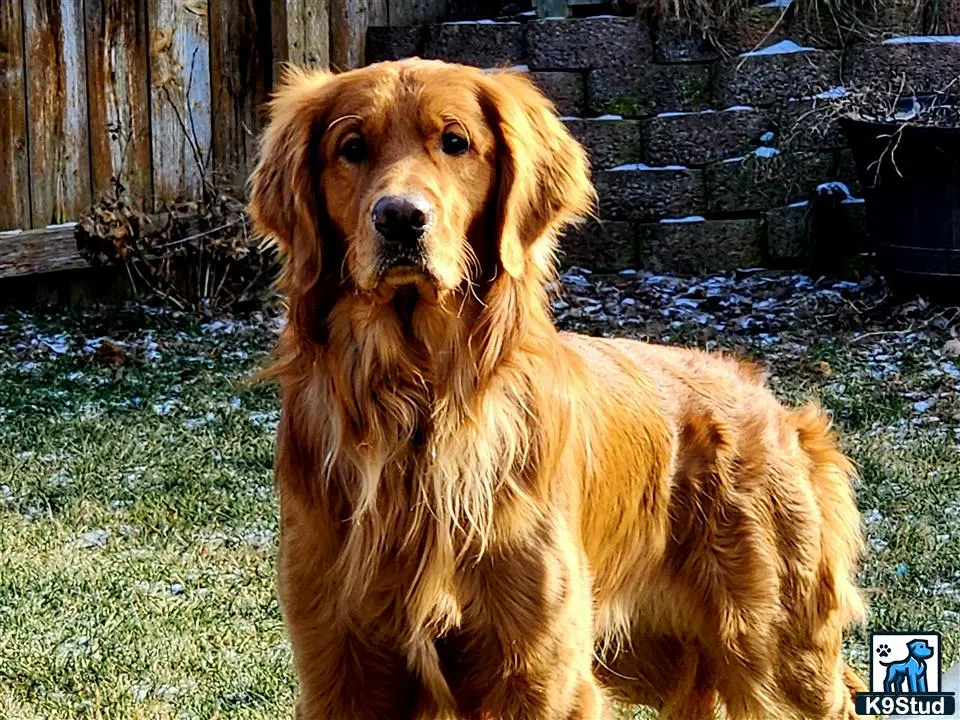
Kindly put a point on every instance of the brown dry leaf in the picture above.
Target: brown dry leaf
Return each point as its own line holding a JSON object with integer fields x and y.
{"x": 110, "y": 353}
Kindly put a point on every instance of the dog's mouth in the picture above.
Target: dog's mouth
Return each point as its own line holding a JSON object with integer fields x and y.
{"x": 405, "y": 275}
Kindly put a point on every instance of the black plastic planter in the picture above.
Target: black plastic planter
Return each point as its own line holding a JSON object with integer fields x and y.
{"x": 911, "y": 181}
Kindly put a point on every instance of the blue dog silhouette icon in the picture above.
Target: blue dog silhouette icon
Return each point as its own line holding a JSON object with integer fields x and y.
{"x": 912, "y": 669}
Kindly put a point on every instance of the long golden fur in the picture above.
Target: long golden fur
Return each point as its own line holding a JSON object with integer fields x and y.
{"x": 483, "y": 517}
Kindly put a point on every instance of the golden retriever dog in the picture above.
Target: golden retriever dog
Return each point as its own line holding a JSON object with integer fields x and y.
{"x": 483, "y": 517}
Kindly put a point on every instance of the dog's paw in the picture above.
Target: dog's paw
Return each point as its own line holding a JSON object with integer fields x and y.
{"x": 883, "y": 650}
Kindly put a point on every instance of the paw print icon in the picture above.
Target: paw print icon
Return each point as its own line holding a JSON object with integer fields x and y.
{"x": 883, "y": 650}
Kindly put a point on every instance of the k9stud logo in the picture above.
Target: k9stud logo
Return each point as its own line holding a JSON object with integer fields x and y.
{"x": 905, "y": 674}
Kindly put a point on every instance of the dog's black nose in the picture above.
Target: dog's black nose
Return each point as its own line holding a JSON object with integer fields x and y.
{"x": 402, "y": 219}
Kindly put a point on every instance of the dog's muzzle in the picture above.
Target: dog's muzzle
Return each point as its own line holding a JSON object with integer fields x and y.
{"x": 401, "y": 222}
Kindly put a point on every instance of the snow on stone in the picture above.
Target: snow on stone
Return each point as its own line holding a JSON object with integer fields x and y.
{"x": 834, "y": 186}
{"x": 690, "y": 219}
{"x": 834, "y": 93}
{"x": 784, "y": 47}
{"x": 767, "y": 137}
{"x": 923, "y": 40}
{"x": 709, "y": 111}
{"x": 642, "y": 166}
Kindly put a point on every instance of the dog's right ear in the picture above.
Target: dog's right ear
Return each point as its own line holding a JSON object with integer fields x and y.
{"x": 284, "y": 205}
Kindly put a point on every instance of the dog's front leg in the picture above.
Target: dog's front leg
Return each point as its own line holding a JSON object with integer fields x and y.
{"x": 346, "y": 671}
{"x": 345, "y": 676}
{"x": 527, "y": 633}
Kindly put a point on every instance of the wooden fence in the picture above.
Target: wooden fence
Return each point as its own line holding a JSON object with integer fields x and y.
{"x": 157, "y": 93}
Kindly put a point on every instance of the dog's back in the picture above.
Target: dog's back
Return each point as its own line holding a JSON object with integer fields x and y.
{"x": 761, "y": 538}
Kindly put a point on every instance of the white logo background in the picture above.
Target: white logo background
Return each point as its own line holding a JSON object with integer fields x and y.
{"x": 898, "y": 651}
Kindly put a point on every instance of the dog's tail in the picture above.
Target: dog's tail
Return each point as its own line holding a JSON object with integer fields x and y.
{"x": 841, "y": 537}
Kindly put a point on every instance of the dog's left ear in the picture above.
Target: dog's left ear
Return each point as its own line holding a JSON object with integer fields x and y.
{"x": 543, "y": 172}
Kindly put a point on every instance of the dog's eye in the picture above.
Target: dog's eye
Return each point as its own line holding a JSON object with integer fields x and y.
{"x": 454, "y": 144}
{"x": 354, "y": 150}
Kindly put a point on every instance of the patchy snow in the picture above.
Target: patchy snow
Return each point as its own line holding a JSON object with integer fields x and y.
{"x": 629, "y": 167}
{"x": 683, "y": 113}
{"x": 689, "y": 219}
{"x": 923, "y": 40}
{"x": 766, "y": 152}
{"x": 61, "y": 225}
{"x": 784, "y": 47}
{"x": 800, "y": 204}
{"x": 609, "y": 117}
{"x": 767, "y": 136}
{"x": 834, "y": 186}
{"x": 8, "y": 233}
{"x": 781, "y": 4}
{"x": 834, "y": 93}
{"x": 94, "y": 539}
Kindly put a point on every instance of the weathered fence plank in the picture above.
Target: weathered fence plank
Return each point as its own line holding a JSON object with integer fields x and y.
{"x": 56, "y": 110}
{"x": 349, "y": 20}
{"x": 116, "y": 39}
{"x": 240, "y": 79}
{"x": 413, "y": 12}
{"x": 307, "y": 28}
{"x": 39, "y": 251}
{"x": 14, "y": 160}
{"x": 179, "y": 96}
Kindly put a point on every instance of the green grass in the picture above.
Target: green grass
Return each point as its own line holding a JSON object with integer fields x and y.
{"x": 137, "y": 516}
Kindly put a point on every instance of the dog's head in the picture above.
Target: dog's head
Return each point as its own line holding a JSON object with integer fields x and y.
{"x": 920, "y": 649}
{"x": 414, "y": 174}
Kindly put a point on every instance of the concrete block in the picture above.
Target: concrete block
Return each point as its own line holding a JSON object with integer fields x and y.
{"x": 695, "y": 248}
{"x": 638, "y": 192}
{"x": 926, "y": 66}
{"x": 610, "y": 140}
{"x": 567, "y": 90}
{"x": 649, "y": 89}
{"x": 763, "y": 79}
{"x": 759, "y": 183}
{"x": 607, "y": 245}
{"x": 484, "y": 45}
{"x": 809, "y": 125}
{"x": 675, "y": 41}
{"x": 697, "y": 139}
{"x": 585, "y": 43}
{"x": 394, "y": 43}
